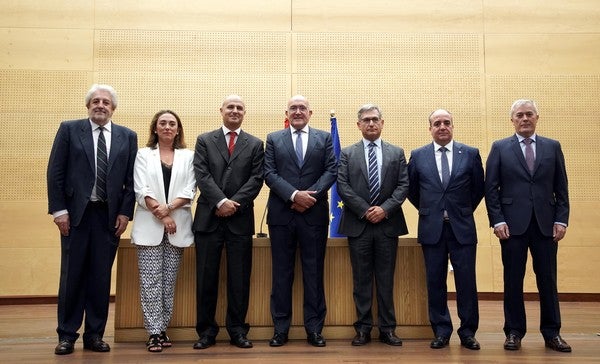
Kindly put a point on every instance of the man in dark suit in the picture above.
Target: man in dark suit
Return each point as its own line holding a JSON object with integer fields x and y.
{"x": 300, "y": 167}
{"x": 373, "y": 183}
{"x": 90, "y": 196}
{"x": 229, "y": 172}
{"x": 528, "y": 206}
{"x": 446, "y": 185}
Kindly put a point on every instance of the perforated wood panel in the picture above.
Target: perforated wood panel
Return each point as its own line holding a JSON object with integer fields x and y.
{"x": 569, "y": 109}
{"x": 33, "y": 104}
{"x": 407, "y": 75}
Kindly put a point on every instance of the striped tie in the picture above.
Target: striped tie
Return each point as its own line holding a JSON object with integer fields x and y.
{"x": 373, "y": 174}
{"x": 101, "y": 166}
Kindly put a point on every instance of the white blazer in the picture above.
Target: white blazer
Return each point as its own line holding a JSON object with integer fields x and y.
{"x": 148, "y": 181}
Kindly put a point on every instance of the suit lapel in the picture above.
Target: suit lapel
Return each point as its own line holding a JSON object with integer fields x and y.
{"x": 385, "y": 160}
{"x": 362, "y": 162}
{"x": 155, "y": 164}
{"x": 116, "y": 144}
{"x": 289, "y": 145}
{"x": 240, "y": 145}
{"x": 218, "y": 139}
{"x": 433, "y": 169}
{"x": 457, "y": 160}
{"x": 87, "y": 142}
{"x": 516, "y": 148}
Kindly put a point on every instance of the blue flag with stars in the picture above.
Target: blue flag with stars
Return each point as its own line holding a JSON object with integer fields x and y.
{"x": 336, "y": 204}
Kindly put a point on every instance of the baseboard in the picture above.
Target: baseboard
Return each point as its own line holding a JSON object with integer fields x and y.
{"x": 33, "y": 300}
{"x": 483, "y": 296}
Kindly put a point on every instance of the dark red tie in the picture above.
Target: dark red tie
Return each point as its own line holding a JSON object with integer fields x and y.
{"x": 232, "y": 135}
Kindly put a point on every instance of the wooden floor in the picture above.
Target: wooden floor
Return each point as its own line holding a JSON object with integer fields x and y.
{"x": 27, "y": 336}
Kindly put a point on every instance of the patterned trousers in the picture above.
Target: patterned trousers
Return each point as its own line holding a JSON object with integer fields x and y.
{"x": 158, "y": 266}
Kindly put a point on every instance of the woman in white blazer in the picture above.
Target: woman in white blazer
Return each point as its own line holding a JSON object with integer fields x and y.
{"x": 164, "y": 186}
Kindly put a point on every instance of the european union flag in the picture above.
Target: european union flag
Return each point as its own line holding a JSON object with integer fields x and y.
{"x": 335, "y": 209}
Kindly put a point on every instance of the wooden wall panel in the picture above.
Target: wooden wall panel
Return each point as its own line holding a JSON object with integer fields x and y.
{"x": 47, "y": 14}
{"x": 237, "y": 15}
{"x": 541, "y": 16}
{"x": 434, "y": 16}
{"x": 46, "y": 49}
{"x": 573, "y": 54}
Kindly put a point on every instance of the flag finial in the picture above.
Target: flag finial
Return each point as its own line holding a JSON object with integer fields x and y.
{"x": 332, "y": 113}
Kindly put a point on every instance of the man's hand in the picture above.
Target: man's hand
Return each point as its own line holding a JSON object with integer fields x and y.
{"x": 121, "y": 224}
{"x": 64, "y": 224}
{"x": 375, "y": 214}
{"x": 501, "y": 231}
{"x": 558, "y": 232}
{"x": 304, "y": 199}
{"x": 228, "y": 208}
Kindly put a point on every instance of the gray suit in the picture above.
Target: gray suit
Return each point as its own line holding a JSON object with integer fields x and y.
{"x": 373, "y": 246}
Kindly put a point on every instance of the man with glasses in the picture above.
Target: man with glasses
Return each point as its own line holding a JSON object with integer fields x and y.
{"x": 300, "y": 167}
{"x": 373, "y": 183}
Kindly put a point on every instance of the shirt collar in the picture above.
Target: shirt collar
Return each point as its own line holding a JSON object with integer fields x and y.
{"x": 449, "y": 146}
{"x": 225, "y": 130}
{"x": 107, "y": 126}
{"x": 367, "y": 142}
{"x": 521, "y": 138}
{"x": 305, "y": 129}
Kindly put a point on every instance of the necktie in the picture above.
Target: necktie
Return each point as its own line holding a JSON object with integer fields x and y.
{"x": 231, "y": 146}
{"x": 529, "y": 157}
{"x": 445, "y": 167}
{"x": 101, "y": 166}
{"x": 373, "y": 174}
{"x": 299, "y": 153}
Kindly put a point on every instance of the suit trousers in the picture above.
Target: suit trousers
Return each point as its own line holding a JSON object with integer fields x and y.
{"x": 87, "y": 255}
{"x": 373, "y": 255}
{"x": 463, "y": 259}
{"x": 312, "y": 241}
{"x": 238, "y": 250}
{"x": 514, "y": 258}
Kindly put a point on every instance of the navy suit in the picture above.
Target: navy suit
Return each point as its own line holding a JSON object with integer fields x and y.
{"x": 456, "y": 237}
{"x": 238, "y": 177}
{"x": 530, "y": 204}
{"x": 289, "y": 228}
{"x": 373, "y": 247}
{"x": 89, "y": 250}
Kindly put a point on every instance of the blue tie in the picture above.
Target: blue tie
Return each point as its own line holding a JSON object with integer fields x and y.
{"x": 101, "y": 166}
{"x": 373, "y": 174}
{"x": 299, "y": 153}
{"x": 445, "y": 167}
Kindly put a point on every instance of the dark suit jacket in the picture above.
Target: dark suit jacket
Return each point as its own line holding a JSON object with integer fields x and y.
{"x": 72, "y": 171}
{"x": 283, "y": 175}
{"x": 460, "y": 198}
{"x": 512, "y": 193}
{"x": 219, "y": 176}
{"x": 353, "y": 188}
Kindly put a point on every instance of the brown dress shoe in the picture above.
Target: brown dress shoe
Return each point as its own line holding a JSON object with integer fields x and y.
{"x": 512, "y": 342}
{"x": 558, "y": 344}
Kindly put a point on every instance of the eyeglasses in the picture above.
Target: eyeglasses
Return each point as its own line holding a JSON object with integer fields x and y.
{"x": 300, "y": 108}
{"x": 374, "y": 120}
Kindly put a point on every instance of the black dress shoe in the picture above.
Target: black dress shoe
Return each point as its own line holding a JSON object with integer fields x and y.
{"x": 64, "y": 347}
{"x": 470, "y": 343}
{"x": 96, "y": 344}
{"x": 316, "y": 339}
{"x": 278, "y": 339}
{"x": 241, "y": 341}
{"x": 390, "y": 338}
{"x": 361, "y": 338}
{"x": 204, "y": 342}
{"x": 439, "y": 342}
{"x": 512, "y": 342}
{"x": 558, "y": 344}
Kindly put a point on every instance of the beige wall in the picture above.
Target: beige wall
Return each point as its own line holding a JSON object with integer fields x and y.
{"x": 472, "y": 57}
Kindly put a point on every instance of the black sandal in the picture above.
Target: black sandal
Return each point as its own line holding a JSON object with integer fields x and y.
{"x": 153, "y": 344}
{"x": 165, "y": 340}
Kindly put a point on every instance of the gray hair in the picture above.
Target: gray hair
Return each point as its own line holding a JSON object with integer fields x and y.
{"x": 518, "y": 103}
{"x": 368, "y": 107}
{"x": 96, "y": 87}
